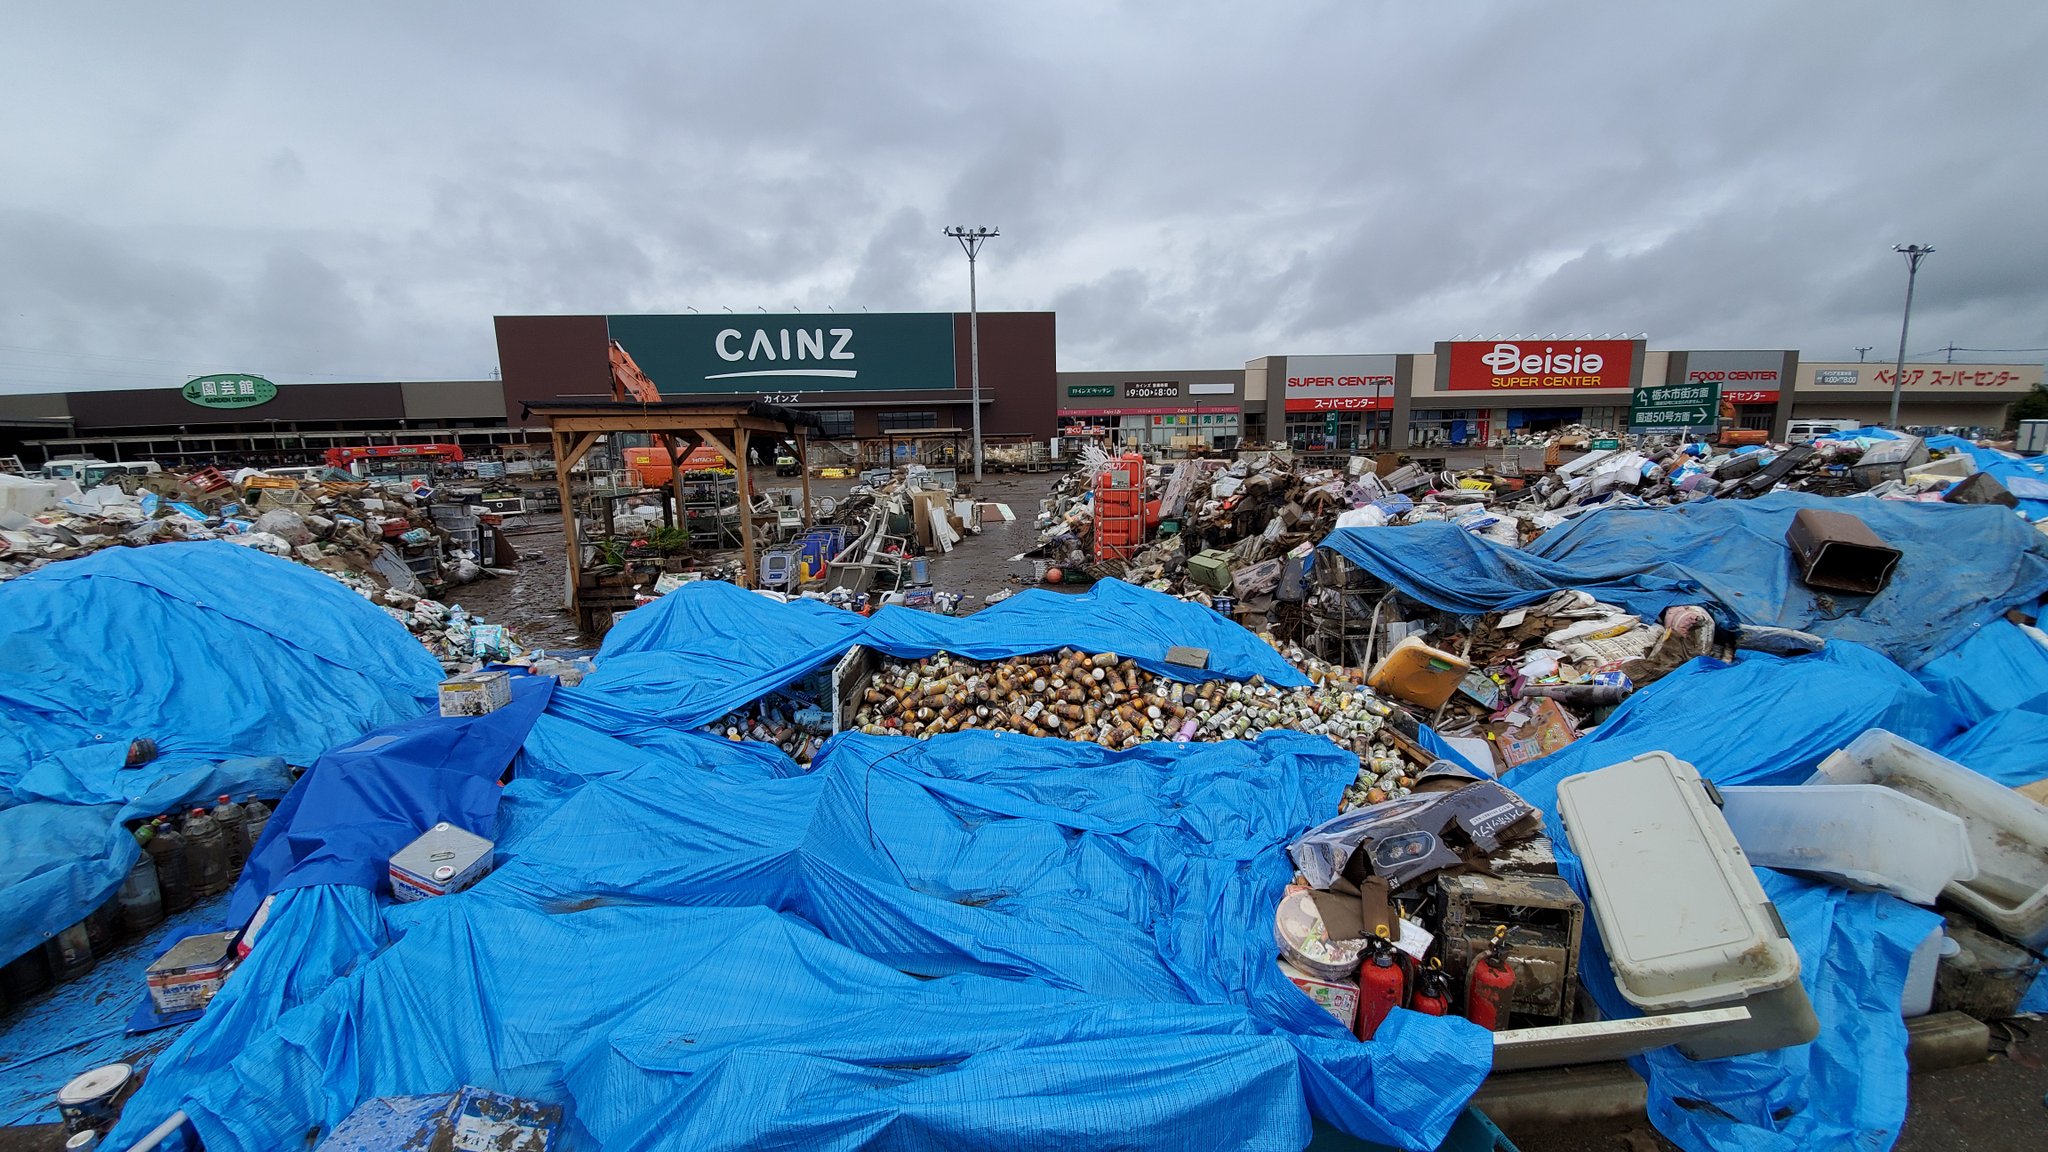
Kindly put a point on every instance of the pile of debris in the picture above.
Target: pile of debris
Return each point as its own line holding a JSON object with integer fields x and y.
{"x": 399, "y": 547}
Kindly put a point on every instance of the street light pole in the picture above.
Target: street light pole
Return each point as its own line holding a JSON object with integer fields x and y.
{"x": 971, "y": 240}
{"x": 1914, "y": 253}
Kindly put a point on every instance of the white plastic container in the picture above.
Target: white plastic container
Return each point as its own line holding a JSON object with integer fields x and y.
{"x": 1862, "y": 835}
{"x": 1917, "y": 997}
{"x": 2008, "y": 832}
{"x": 1683, "y": 918}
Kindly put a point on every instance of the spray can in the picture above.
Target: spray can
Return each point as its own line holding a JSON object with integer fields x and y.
{"x": 1432, "y": 996}
{"x": 1381, "y": 985}
{"x": 1491, "y": 986}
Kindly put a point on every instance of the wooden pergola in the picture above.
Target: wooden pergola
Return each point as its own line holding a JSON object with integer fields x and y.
{"x": 728, "y": 427}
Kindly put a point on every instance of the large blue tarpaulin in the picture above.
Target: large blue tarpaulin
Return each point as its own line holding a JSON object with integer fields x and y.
{"x": 918, "y": 944}
{"x": 232, "y": 661}
{"x": 1962, "y": 566}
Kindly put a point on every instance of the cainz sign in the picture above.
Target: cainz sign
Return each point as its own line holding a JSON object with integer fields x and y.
{"x": 700, "y": 355}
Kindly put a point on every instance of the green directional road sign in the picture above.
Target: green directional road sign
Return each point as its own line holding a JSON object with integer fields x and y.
{"x": 1674, "y": 407}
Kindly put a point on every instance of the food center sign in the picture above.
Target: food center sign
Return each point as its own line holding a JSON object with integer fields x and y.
{"x": 1339, "y": 383}
{"x": 1742, "y": 377}
{"x": 840, "y": 352}
{"x": 1538, "y": 365}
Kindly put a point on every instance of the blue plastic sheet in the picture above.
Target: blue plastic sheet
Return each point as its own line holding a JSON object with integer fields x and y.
{"x": 1962, "y": 566}
{"x": 228, "y": 658}
{"x": 922, "y": 944}
{"x": 1111, "y": 616}
{"x": 365, "y": 800}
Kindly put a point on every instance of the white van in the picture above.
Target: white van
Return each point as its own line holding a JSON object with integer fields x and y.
{"x": 1807, "y": 431}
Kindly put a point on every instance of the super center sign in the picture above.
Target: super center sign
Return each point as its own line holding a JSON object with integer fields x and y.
{"x": 1339, "y": 383}
{"x": 1536, "y": 365}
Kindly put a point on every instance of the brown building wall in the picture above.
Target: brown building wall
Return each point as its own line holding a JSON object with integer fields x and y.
{"x": 1019, "y": 372}
{"x": 546, "y": 357}
{"x": 168, "y": 408}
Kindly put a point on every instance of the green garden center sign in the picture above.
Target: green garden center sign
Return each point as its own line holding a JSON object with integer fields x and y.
{"x": 228, "y": 390}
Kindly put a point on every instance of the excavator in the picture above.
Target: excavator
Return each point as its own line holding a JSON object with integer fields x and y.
{"x": 654, "y": 465}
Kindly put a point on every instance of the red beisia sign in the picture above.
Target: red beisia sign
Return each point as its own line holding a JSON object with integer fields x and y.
{"x": 1516, "y": 365}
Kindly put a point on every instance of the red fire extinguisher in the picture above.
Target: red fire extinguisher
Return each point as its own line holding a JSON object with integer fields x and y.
{"x": 1491, "y": 986}
{"x": 1382, "y": 985}
{"x": 1432, "y": 996}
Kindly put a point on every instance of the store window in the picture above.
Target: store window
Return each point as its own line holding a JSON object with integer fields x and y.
{"x": 1447, "y": 427}
{"x": 906, "y": 421}
{"x": 1756, "y": 417}
{"x": 837, "y": 421}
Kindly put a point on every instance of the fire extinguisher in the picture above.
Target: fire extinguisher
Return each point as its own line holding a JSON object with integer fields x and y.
{"x": 1382, "y": 985}
{"x": 1491, "y": 986}
{"x": 1432, "y": 995}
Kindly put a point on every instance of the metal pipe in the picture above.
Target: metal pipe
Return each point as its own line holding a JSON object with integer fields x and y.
{"x": 161, "y": 1132}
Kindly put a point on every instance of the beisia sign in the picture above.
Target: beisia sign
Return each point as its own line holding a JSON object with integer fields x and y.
{"x": 841, "y": 352}
{"x": 1514, "y": 365}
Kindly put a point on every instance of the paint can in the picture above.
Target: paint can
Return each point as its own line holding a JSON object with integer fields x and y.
{"x": 84, "y": 1141}
{"x": 92, "y": 1100}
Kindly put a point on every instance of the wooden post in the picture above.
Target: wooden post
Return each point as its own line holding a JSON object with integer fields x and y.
{"x": 565, "y": 459}
{"x": 675, "y": 479}
{"x": 748, "y": 572}
{"x": 803, "y": 460}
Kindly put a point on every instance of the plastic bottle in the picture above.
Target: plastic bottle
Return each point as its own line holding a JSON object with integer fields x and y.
{"x": 103, "y": 925}
{"x": 69, "y": 953}
{"x": 173, "y": 871}
{"x": 258, "y": 814}
{"x": 141, "y": 900}
{"x": 206, "y": 855}
{"x": 234, "y": 830}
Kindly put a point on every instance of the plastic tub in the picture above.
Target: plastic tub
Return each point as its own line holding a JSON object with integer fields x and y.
{"x": 1864, "y": 835}
{"x": 2008, "y": 832}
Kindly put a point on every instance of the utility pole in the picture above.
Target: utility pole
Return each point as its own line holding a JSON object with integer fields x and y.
{"x": 1914, "y": 254}
{"x": 1862, "y": 350}
{"x": 971, "y": 240}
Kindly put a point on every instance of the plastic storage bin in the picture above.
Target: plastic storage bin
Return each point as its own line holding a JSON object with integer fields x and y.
{"x": 1858, "y": 834}
{"x": 1419, "y": 674}
{"x": 2008, "y": 832}
{"x": 1683, "y": 918}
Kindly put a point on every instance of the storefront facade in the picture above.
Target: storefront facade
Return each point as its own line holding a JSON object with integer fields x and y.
{"x": 862, "y": 374}
{"x": 1160, "y": 409}
{"x": 1936, "y": 396}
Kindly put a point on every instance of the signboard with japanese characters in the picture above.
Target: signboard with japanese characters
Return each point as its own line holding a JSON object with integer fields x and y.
{"x": 1339, "y": 383}
{"x": 1674, "y": 407}
{"x": 228, "y": 390}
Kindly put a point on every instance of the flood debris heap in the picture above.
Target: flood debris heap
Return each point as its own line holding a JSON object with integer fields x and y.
{"x": 400, "y": 546}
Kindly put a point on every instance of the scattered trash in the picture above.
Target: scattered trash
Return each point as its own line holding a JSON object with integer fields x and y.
{"x": 443, "y": 860}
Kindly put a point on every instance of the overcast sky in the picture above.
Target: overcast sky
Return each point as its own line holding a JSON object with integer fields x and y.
{"x": 352, "y": 191}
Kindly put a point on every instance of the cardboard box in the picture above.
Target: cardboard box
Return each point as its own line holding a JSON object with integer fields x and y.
{"x": 1548, "y": 728}
{"x": 475, "y": 693}
{"x": 1339, "y": 999}
{"x": 487, "y": 1121}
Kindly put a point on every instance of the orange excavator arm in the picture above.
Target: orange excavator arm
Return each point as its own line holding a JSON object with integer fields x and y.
{"x": 628, "y": 381}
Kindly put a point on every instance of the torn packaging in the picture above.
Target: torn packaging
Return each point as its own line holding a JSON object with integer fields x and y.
{"x": 1409, "y": 839}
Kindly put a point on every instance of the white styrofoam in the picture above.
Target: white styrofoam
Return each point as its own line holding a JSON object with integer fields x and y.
{"x": 1863, "y": 835}
{"x": 2008, "y": 832}
{"x": 1683, "y": 918}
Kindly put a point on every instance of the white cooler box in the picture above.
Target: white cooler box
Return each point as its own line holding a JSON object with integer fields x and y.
{"x": 1685, "y": 923}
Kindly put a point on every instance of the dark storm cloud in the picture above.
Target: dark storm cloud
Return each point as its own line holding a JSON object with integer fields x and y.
{"x": 354, "y": 191}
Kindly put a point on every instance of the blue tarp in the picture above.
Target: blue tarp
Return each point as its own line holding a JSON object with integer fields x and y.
{"x": 922, "y": 944}
{"x": 367, "y": 799}
{"x": 233, "y": 661}
{"x": 1962, "y": 566}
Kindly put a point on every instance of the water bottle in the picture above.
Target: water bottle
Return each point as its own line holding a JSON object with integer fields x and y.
{"x": 173, "y": 873}
{"x": 142, "y": 905}
{"x": 69, "y": 953}
{"x": 258, "y": 814}
{"x": 103, "y": 926}
{"x": 234, "y": 830}
{"x": 206, "y": 855}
